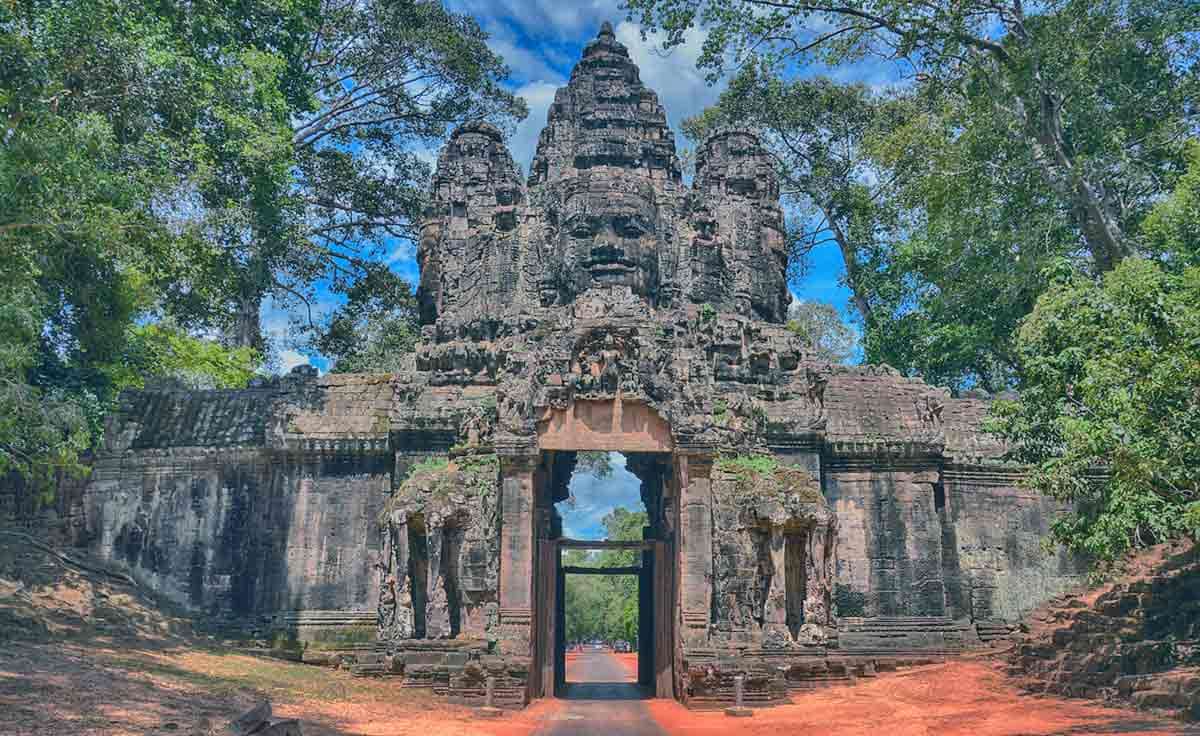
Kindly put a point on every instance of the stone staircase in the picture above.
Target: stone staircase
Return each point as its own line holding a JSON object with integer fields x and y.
{"x": 1136, "y": 640}
{"x": 455, "y": 670}
{"x": 924, "y": 635}
{"x": 990, "y": 632}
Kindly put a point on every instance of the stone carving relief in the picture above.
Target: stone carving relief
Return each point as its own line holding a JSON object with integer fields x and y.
{"x": 477, "y": 427}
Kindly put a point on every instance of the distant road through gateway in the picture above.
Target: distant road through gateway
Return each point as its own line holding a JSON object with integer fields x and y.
{"x": 603, "y": 697}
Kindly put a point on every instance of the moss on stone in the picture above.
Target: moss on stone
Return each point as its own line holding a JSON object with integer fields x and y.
{"x": 764, "y": 477}
{"x": 436, "y": 479}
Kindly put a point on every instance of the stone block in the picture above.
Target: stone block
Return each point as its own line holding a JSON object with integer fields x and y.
{"x": 282, "y": 728}
{"x": 252, "y": 721}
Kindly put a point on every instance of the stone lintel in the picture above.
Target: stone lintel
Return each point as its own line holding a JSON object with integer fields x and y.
{"x": 615, "y": 426}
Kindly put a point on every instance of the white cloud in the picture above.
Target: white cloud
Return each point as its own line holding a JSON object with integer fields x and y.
{"x": 281, "y": 337}
{"x": 543, "y": 18}
{"x": 594, "y": 498}
{"x": 289, "y": 359}
{"x": 539, "y": 96}
{"x": 524, "y": 63}
{"x": 672, "y": 74}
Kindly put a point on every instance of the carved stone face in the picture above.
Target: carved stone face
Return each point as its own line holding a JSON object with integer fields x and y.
{"x": 611, "y": 239}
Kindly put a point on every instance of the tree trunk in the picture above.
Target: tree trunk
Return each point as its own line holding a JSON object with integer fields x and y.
{"x": 853, "y": 268}
{"x": 1102, "y": 232}
{"x": 247, "y": 328}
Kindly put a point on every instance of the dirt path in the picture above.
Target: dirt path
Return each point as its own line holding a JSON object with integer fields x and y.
{"x": 105, "y": 688}
{"x": 80, "y": 656}
{"x": 964, "y": 697}
{"x": 603, "y": 697}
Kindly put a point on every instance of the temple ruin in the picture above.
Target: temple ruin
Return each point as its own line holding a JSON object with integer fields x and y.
{"x": 807, "y": 522}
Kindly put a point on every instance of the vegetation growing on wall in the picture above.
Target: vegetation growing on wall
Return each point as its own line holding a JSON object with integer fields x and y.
{"x": 439, "y": 479}
{"x": 765, "y": 476}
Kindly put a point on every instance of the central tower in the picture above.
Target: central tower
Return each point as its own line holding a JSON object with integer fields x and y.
{"x": 604, "y": 212}
{"x": 603, "y": 305}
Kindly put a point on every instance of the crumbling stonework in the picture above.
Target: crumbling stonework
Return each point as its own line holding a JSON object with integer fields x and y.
{"x": 1134, "y": 640}
{"x": 807, "y": 522}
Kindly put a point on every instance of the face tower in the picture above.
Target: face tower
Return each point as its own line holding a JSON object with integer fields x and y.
{"x": 604, "y": 214}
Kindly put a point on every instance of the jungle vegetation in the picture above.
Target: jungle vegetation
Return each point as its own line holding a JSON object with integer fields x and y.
{"x": 1016, "y": 209}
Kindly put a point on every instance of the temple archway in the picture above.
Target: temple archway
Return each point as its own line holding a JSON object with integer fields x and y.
{"x": 644, "y": 438}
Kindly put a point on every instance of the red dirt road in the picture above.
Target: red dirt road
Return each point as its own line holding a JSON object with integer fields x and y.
{"x": 959, "y": 698}
{"x": 602, "y": 697}
{"x": 103, "y": 688}
{"x": 964, "y": 697}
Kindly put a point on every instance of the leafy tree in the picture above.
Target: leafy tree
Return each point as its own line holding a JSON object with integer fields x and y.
{"x": 1173, "y": 227}
{"x": 376, "y": 329}
{"x": 376, "y": 78}
{"x": 168, "y": 166}
{"x": 80, "y": 246}
{"x": 979, "y": 231}
{"x": 1023, "y": 144}
{"x": 603, "y": 606}
{"x": 1108, "y": 414}
{"x": 598, "y": 464}
{"x": 821, "y": 324}
{"x": 1099, "y": 92}
{"x": 1109, "y": 411}
{"x": 941, "y": 266}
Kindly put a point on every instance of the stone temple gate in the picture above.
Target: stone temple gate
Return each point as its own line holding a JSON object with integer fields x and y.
{"x": 808, "y": 522}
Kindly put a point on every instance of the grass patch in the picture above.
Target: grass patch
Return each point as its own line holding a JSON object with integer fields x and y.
{"x": 228, "y": 675}
{"x": 763, "y": 476}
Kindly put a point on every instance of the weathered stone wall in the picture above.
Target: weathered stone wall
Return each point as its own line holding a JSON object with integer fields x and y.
{"x": 773, "y": 549}
{"x": 890, "y": 538}
{"x": 964, "y": 542}
{"x": 441, "y": 561}
{"x": 54, "y": 514}
{"x": 240, "y": 532}
{"x": 997, "y": 532}
{"x": 241, "y": 504}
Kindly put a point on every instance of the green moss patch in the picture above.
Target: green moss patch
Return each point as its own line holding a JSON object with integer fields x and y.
{"x": 764, "y": 477}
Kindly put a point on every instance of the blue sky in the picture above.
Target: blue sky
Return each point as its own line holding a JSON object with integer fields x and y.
{"x": 541, "y": 40}
{"x": 592, "y": 498}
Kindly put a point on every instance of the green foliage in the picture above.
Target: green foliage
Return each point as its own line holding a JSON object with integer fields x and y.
{"x": 598, "y": 464}
{"x": 822, "y": 327}
{"x": 1109, "y": 412}
{"x": 1172, "y": 229}
{"x": 164, "y": 351}
{"x": 764, "y": 476}
{"x": 376, "y": 329}
{"x": 747, "y": 465}
{"x": 1191, "y": 519}
{"x": 605, "y": 606}
{"x": 436, "y": 479}
{"x": 168, "y": 167}
{"x": 720, "y": 413}
{"x": 434, "y": 464}
{"x": 1024, "y": 146}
